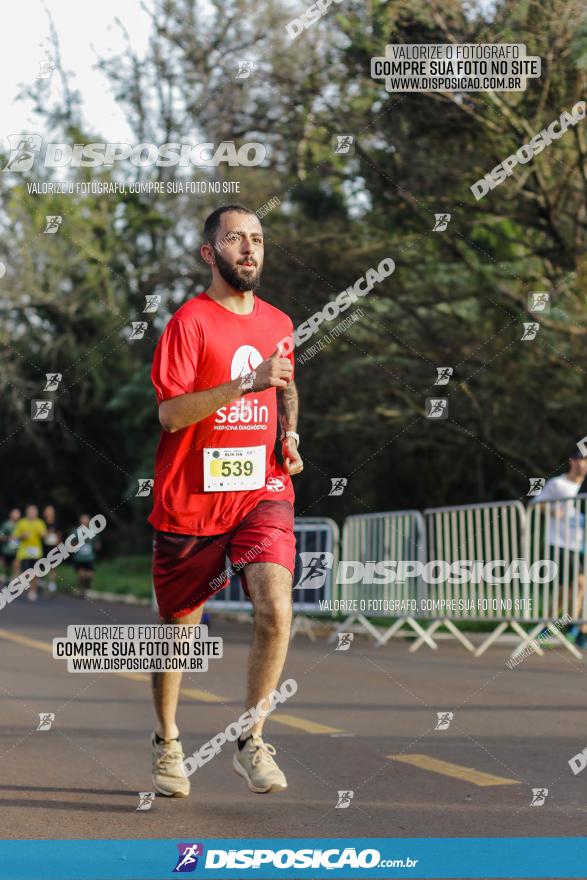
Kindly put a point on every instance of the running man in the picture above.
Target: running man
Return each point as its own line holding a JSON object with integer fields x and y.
{"x": 51, "y": 539}
{"x": 219, "y": 490}
{"x": 29, "y": 532}
{"x": 9, "y": 544}
{"x": 84, "y": 559}
{"x": 566, "y": 530}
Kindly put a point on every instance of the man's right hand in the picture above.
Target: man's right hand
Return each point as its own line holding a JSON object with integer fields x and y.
{"x": 176, "y": 413}
{"x": 275, "y": 372}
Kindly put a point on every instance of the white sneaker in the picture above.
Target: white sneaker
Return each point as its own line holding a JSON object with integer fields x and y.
{"x": 255, "y": 762}
{"x": 168, "y": 774}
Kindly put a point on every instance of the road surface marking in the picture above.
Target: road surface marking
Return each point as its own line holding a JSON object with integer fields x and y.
{"x": 192, "y": 693}
{"x": 469, "y": 774}
{"x": 302, "y": 724}
{"x": 24, "y": 640}
{"x": 203, "y": 696}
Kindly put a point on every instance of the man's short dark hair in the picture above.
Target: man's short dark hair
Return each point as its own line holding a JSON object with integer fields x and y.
{"x": 212, "y": 223}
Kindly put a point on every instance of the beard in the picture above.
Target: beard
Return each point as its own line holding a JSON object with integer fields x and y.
{"x": 238, "y": 277}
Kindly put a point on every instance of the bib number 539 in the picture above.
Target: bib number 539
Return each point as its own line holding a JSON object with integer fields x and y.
{"x": 234, "y": 469}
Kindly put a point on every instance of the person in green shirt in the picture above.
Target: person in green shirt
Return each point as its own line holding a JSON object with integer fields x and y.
{"x": 84, "y": 559}
{"x": 8, "y": 543}
{"x": 30, "y": 531}
{"x": 51, "y": 539}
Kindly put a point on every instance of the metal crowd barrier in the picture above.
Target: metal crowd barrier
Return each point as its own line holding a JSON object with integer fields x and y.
{"x": 479, "y": 533}
{"x": 317, "y": 539}
{"x": 316, "y": 536}
{"x": 397, "y": 536}
{"x": 482, "y": 533}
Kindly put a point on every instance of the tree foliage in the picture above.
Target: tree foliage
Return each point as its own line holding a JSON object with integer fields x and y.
{"x": 457, "y": 298}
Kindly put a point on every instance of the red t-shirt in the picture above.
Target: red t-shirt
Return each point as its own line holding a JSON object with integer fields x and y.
{"x": 205, "y": 345}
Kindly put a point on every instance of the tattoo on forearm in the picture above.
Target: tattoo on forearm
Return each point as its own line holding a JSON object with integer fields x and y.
{"x": 287, "y": 407}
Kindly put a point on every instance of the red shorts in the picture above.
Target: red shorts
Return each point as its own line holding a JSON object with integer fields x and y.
{"x": 188, "y": 570}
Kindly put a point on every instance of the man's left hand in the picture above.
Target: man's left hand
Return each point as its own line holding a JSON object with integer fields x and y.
{"x": 292, "y": 463}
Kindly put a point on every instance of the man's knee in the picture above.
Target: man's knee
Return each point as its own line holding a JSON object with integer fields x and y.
{"x": 274, "y": 615}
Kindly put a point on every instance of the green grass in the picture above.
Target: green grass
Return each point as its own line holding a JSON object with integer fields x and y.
{"x": 126, "y": 574}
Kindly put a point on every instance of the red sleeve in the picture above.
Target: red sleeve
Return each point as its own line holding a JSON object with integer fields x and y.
{"x": 175, "y": 362}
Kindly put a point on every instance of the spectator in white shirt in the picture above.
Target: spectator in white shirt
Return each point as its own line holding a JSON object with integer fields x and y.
{"x": 566, "y": 529}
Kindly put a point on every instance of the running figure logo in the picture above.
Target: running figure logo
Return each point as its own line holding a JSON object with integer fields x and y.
{"x": 145, "y": 486}
{"x": 315, "y": 567}
{"x": 244, "y": 69}
{"x": 53, "y": 380}
{"x": 338, "y": 485}
{"x": 436, "y": 408}
{"x": 23, "y": 150}
{"x": 46, "y": 69}
{"x": 441, "y": 222}
{"x": 53, "y": 222}
{"x": 344, "y": 799}
{"x": 152, "y": 303}
{"x": 187, "y": 860}
{"x": 536, "y": 485}
{"x": 539, "y": 795}
{"x": 344, "y": 144}
{"x": 146, "y": 799}
{"x": 41, "y": 410}
{"x": 138, "y": 329}
{"x": 444, "y": 719}
{"x": 444, "y": 374}
{"x": 344, "y": 641}
{"x": 539, "y": 302}
{"x": 530, "y": 332}
{"x": 46, "y": 719}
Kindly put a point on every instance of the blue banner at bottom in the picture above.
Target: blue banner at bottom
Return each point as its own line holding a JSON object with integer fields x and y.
{"x": 270, "y": 858}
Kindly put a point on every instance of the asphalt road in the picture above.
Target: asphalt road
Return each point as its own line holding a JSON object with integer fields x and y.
{"x": 362, "y": 720}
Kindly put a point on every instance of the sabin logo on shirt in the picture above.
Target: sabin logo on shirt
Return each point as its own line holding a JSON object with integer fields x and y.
{"x": 245, "y": 359}
{"x": 245, "y": 411}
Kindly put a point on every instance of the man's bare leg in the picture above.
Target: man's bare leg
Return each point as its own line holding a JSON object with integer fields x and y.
{"x": 166, "y": 685}
{"x": 82, "y": 582}
{"x": 269, "y": 586}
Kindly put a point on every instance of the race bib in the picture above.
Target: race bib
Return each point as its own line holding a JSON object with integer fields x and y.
{"x": 234, "y": 469}
{"x": 33, "y": 552}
